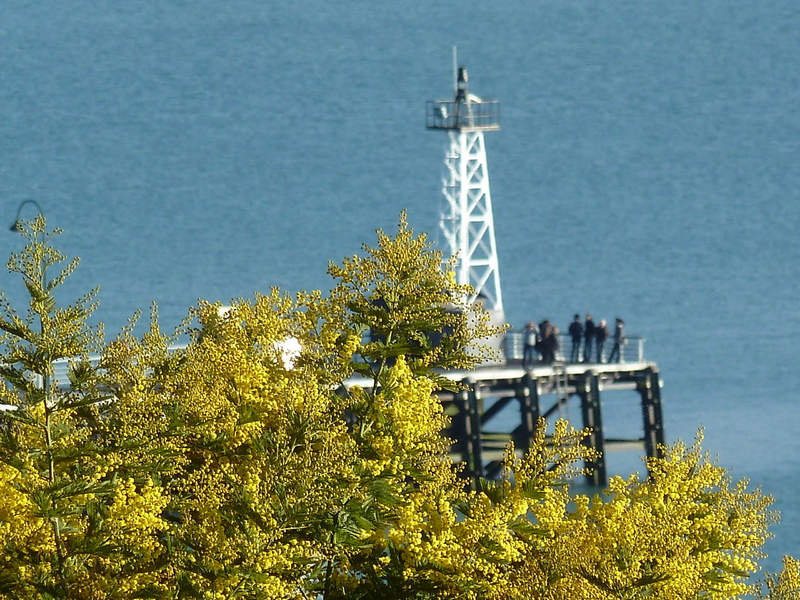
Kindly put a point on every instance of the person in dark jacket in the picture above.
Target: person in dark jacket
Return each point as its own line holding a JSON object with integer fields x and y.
{"x": 600, "y": 337}
{"x": 588, "y": 338}
{"x": 549, "y": 342}
{"x": 576, "y": 333}
{"x": 552, "y": 344}
{"x": 619, "y": 340}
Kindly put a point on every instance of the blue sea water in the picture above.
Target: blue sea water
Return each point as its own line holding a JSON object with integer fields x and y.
{"x": 647, "y": 168}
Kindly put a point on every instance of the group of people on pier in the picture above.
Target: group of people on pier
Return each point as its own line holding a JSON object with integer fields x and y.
{"x": 541, "y": 342}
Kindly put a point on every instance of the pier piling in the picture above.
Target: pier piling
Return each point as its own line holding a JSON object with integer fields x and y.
{"x": 547, "y": 390}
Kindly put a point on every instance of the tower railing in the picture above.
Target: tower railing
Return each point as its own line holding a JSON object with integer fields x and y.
{"x": 483, "y": 115}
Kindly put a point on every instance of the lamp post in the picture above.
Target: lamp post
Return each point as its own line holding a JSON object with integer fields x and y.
{"x": 15, "y": 226}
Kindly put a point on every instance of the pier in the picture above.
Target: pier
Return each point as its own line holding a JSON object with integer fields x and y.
{"x": 520, "y": 396}
{"x": 524, "y": 395}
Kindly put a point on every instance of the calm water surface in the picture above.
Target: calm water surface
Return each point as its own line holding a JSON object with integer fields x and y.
{"x": 647, "y": 168}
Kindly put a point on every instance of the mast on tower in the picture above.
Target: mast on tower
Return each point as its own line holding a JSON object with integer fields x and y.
{"x": 466, "y": 221}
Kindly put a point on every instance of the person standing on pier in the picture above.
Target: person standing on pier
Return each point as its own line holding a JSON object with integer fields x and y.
{"x": 576, "y": 333}
{"x": 588, "y": 338}
{"x": 600, "y": 337}
{"x": 549, "y": 342}
{"x": 552, "y": 344}
{"x": 530, "y": 353}
{"x": 619, "y": 340}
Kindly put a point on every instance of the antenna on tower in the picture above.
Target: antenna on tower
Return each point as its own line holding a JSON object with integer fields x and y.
{"x": 455, "y": 69}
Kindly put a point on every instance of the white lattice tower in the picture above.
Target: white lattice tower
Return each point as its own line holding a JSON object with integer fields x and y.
{"x": 466, "y": 221}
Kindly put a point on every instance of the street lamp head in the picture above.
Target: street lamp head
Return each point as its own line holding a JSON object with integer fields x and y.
{"x": 17, "y": 225}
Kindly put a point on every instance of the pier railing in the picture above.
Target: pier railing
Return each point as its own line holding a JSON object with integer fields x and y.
{"x": 513, "y": 348}
{"x": 631, "y": 351}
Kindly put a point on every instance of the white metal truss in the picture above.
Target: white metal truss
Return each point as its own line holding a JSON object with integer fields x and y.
{"x": 466, "y": 221}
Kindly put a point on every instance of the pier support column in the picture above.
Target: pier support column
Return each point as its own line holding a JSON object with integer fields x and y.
{"x": 528, "y": 395}
{"x": 592, "y": 419}
{"x": 460, "y": 426}
{"x": 469, "y": 414}
{"x": 650, "y": 390}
